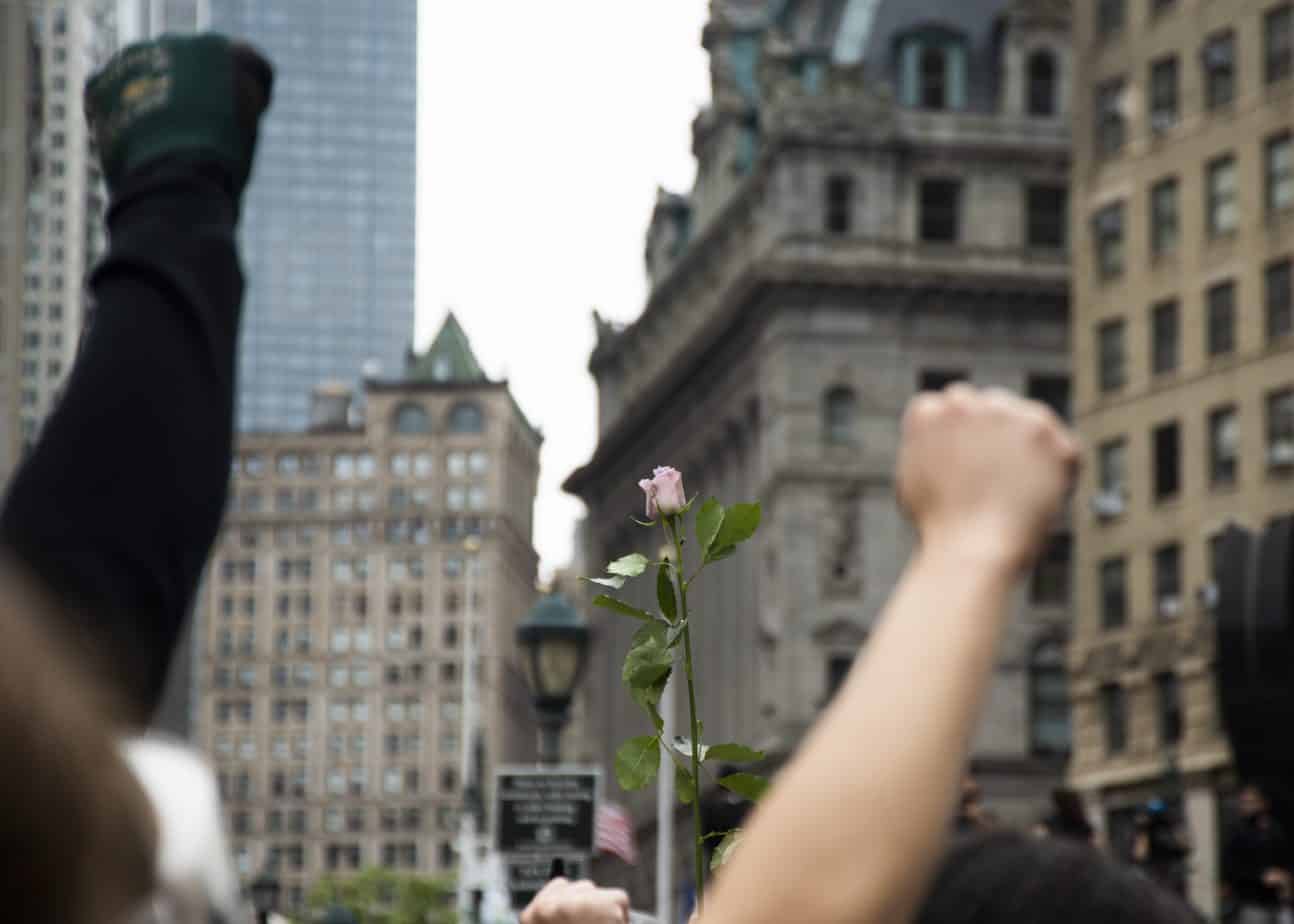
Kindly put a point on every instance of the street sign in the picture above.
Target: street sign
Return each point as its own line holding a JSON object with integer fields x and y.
{"x": 545, "y": 814}
{"x": 548, "y": 812}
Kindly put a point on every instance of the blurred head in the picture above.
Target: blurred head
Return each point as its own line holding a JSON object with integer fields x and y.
{"x": 1253, "y": 801}
{"x": 1007, "y": 878}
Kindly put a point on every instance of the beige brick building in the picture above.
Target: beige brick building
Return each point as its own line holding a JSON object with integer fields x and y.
{"x": 1183, "y": 210}
{"x": 333, "y": 617}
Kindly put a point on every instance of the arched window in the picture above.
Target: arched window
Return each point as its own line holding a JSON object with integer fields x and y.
{"x": 934, "y": 78}
{"x": 411, "y": 419}
{"x": 1048, "y": 700}
{"x": 932, "y": 69}
{"x": 840, "y": 417}
{"x": 466, "y": 417}
{"x": 1042, "y": 84}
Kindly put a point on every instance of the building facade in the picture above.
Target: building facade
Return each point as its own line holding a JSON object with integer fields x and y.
{"x": 142, "y": 19}
{"x": 328, "y": 224}
{"x": 20, "y": 118}
{"x": 355, "y": 559}
{"x": 1184, "y": 377}
{"x": 65, "y": 202}
{"x": 880, "y": 208}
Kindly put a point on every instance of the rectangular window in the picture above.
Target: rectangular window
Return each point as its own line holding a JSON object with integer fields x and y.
{"x": 1051, "y": 390}
{"x": 1163, "y": 94}
{"x": 1222, "y": 211}
{"x": 1110, "y": 17}
{"x": 838, "y": 667}
{"x": 1224, "y": 446}
{"x": 1278, "y": 42}
{"x": 1279, "y": 284}
{"x": 839, "y": 196}
{"x": 1050, "y": 583}
{"x": 1114, "y": 716}
{"x": 1168, "y": 581}
{"x": 1165, "y": 340}
{"x": 1107, "y": 227}
{"x": 1112, "y": 468}
{"x": 939, "y": 379}
{"x": 1111, "y": 356}
{"x": 1167, "y": 472}
{"x": 1168, "y": 701}
{"x": 940, "y": 211}
{"x": 1280, "y": 429}
{"x": 1114, "y": 593}
{"x": 1280, "y": 172}
{"x": 1047, "y": 216}
{"x": 1221, "y": 307}
{"x": 1165, "y": 223}
{"x": 1111, "y": 126}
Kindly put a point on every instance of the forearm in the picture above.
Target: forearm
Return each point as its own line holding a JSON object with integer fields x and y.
{"x": 116, "y": 507}
{"x": 853, "y": 828}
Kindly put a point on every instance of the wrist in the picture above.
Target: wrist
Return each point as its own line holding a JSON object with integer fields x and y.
{"x": 973, "y": 554}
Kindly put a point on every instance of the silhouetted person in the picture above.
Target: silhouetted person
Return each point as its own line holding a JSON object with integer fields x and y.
{"x": 1068, "y": 818}
{"x": 1256, "y": 863}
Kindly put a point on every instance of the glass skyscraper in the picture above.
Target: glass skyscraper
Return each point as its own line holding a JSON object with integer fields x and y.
{"x": 328, "y": 223}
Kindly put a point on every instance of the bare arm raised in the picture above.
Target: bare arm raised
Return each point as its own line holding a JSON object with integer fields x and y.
{"x": 851, "y": 834}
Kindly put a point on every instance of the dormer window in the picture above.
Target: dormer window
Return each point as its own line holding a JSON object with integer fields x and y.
{"x": 932, "y": 70}
{"x": 1042, "y": 84}
{"x": 934, "y": 78}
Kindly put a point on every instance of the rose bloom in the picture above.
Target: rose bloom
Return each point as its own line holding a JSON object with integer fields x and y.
{"x": 664, "y": 492}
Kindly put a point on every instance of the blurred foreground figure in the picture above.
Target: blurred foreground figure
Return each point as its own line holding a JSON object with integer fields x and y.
{"x": 110, "y": 519}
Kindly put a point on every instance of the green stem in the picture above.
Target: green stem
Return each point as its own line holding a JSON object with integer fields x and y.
{"x": 698, "y": 852}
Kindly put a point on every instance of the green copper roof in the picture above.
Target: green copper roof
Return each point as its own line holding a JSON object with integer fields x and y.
{"x": 448, "y": 359}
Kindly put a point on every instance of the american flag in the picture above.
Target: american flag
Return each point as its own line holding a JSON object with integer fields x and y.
{"x": 614, "y": 832}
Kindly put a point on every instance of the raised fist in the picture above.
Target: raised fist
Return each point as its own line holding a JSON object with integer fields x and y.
{"x": 984, "y": 470}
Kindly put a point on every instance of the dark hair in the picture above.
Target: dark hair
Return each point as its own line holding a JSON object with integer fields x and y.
{"x": 1004, "y": 877}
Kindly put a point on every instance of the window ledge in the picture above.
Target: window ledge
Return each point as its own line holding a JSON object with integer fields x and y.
{"x": 1224, "y": 488}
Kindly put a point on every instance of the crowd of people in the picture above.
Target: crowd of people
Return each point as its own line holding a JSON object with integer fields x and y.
{"x": 105, "y": 548}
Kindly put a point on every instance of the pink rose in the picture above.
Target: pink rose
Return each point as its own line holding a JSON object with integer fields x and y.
{"x": 664, "y": 492}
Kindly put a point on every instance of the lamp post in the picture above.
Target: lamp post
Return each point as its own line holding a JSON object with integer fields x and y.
{"x": 467, "y": 873}
{"x": 265, "y": 895}
{"x": 555, "y": 641}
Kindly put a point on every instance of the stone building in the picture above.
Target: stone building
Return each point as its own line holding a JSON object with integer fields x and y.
{"x": 20, "y": 119}
{"x": 335, "y": 611}
{"x": 1183, "y": 192}
{"x": 880, "y": 207}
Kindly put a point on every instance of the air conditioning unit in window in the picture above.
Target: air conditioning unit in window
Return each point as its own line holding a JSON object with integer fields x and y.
{"x": 1107, "y": 505}
{"x": 1161, "y": 122}
{"x": 1281, "y": 454}
{"x": 1207, "y": 596}
{"x": 1170, "y": 607}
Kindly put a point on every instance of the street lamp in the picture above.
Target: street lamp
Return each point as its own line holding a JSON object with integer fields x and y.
{"x": 265, "y": 895}
{"x": 555, "y": 642}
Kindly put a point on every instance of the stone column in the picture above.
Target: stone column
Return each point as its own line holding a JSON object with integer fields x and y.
{"x": 1201, "y": 810}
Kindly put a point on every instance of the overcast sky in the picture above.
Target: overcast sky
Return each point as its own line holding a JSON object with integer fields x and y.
{"x": 543, "y": 132}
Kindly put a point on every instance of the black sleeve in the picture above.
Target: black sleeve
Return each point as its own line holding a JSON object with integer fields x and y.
{"x": 117, "y": 505}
